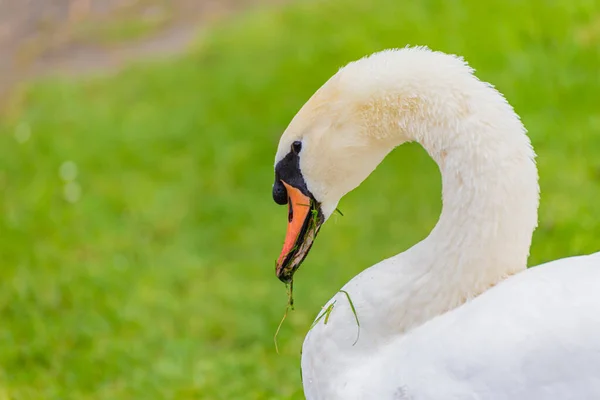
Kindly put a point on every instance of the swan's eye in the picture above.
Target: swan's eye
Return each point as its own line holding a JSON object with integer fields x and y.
{"x": 296, "y": 146}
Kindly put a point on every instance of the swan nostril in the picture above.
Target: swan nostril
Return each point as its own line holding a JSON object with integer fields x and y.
{"x": 279, "y": 193}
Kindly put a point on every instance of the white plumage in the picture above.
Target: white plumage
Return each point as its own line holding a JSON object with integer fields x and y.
{"x": 458, "y": 315}
{"x": 534, "y": 336}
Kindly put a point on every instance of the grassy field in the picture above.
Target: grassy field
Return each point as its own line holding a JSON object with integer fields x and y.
{"x": 138, "y": 233}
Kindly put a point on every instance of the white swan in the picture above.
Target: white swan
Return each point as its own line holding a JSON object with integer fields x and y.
{"x": 457, "y": 316}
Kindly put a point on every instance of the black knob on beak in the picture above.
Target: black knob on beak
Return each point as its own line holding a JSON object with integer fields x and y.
{"x": 279, "y": 193}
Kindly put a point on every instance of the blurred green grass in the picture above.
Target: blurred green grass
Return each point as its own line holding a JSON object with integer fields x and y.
{"x": 157, "y": 282}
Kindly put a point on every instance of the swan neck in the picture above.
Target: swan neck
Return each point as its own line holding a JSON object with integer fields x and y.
{"x": 489, "y": 197}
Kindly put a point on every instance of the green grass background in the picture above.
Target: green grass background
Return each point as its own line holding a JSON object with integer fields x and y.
{"x": 158, "y": 283}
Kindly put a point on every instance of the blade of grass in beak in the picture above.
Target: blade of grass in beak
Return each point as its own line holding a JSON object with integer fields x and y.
{"x": 288, "y": 307}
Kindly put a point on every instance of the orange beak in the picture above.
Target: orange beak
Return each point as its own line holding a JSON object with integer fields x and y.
{"x": 304, "y": 221}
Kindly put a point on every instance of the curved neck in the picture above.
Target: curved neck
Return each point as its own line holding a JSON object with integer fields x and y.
{"x": 490, "y": 200}
{"x": 490, "y": 193}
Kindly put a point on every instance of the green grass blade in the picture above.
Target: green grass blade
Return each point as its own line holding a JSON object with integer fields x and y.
{"x": 355, "y": 314}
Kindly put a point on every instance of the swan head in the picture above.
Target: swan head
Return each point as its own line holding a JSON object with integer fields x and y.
{"x": 327, "y": 150}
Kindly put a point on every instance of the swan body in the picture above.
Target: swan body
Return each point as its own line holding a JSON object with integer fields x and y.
{"x": 530, "y": 337}
{"x": 458, "y": 315}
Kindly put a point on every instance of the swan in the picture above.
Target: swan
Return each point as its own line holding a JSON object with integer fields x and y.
{"x": 458, "y": 315}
